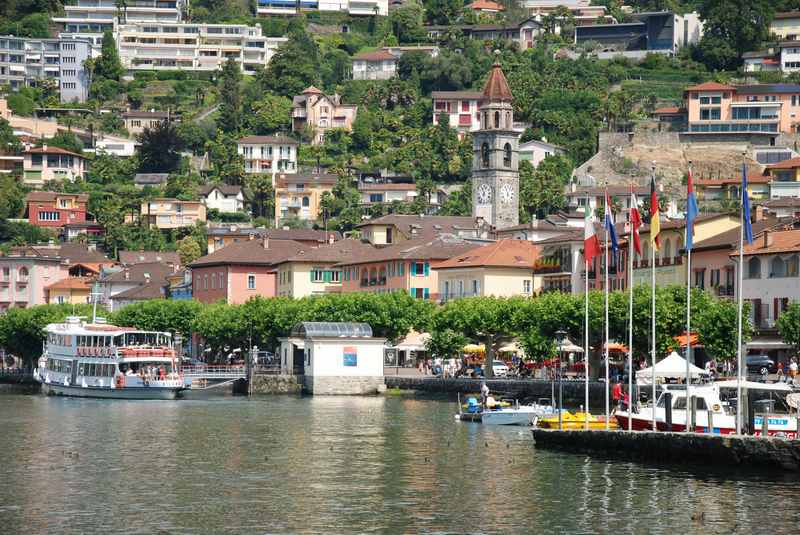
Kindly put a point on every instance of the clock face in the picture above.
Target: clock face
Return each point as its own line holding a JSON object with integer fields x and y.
{"x": 484, "y": 194}
{"x": 506, "y": 193}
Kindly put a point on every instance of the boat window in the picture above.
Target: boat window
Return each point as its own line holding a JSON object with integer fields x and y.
{"x": 81, "y": 369}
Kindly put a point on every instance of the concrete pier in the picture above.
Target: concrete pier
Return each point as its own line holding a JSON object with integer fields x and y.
{"x": 573, "y": 391}
{"x": 684, "y": 448}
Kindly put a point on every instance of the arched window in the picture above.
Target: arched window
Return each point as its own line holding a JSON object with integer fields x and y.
{"x": 509, "y": 122}
{"x": 507, "y": 155}
{"x": 754, "y": 268}
{"x": 305, "y": 202}
{"x": 793, "y": 266}
{"x": 777, "y": 267}
{"x": 382, "y": 276}
{"x": 497, "y": 119}
{"x": 364, "y": 277}
{"x": 485, "y": 154}
{"x": 666, "y": 251}
{"x": 373, "y": 276}
{"x": 23, "y": 273}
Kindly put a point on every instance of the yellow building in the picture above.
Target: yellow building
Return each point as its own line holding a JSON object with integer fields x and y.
{"x": 171, "y": 213}
{"x": 315, "y": 271}
{"x": 670, "y": 257}
{"x": 501, "y": 269}
{"x": 716, "y": 189}
{"x": 784, "y": 179}
{"x": 786, "y": 25}
{"x": 72, "y": 290}
{"x": 299, "y": 195}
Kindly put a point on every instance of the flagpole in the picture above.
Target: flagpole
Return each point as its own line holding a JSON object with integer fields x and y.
{"x": 605, "y": 288}
{"x": 691, "y": 214}
{"x": 740, "y": 306}
{"x": 653, "y": 210}
{"x": 586, "y": 343}
{"x": 630, "y": 316}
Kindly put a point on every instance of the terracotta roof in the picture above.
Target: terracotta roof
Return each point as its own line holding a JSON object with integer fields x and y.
{"x": 457, "y": 95}
{"x": 377, "y": 55}
{"x": 787, "y": 15}
{"x": 782, "y": 202}
{"x": 336, "y": 252}
{"x": 48, "y": 196}
{"x": 425, "y": 248}
{"x": 486, "y": 4}
{"x": 614, "y": 191}
{"x": 225, "y": 189}
{"x": 52, "y": 150}
{"x": 71, "y": 283}
{"x": 71, "y": 252}
{"x": 269, "y": 140}
{"x": 711, "y": 86}
{"x": 150, "y": 178}
{"x": 755, "y": 178}
{"x": 730, "y": 239}
{"x": 149, "y": 257}
{"x": 504, "y": 253}
{"x": 675, "y": 224}
{"x": 145, "y": 292}
{"x": 146, "y": 115}
{"x": 671, "y": 110}
{"x": 251, "y": 252}
{"x": 309, "y": 179}
{"x": 275, "y": 234}
{"x": 311, "y": 90}
{"x": 423, "y": 224}
{"x": 785, "y": 164}
{"x": 496, "y": 87}
{"x": 782, "y": 241}
{"x": 387, "y": 187}
{"x": 136, "y": 273}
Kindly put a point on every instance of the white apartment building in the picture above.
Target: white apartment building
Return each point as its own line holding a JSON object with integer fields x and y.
{"x": 196, "y": 47}
{"x": 99, "y": 16}
{"x": 268, "y": 154}
{"x": 351, "y": 7}
{"x": 461, "y": 108}
{"x": 25, "y": 62}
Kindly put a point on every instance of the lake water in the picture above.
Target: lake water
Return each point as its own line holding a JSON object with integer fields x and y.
{"x": 340, "y": 465}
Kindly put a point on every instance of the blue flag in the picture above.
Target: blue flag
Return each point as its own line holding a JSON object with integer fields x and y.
{"x": 748, "y": 228}
{"x": 691, "y": 211}
{"x": 612, "y": 233}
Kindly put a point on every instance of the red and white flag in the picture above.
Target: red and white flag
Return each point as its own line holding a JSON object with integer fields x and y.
{"x": 636, "y": 222}
{"x": 591, "y": 243}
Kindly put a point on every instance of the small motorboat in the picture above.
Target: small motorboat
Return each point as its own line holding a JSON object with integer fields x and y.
{"x": 577, "y": 421}
{"x": 502, "y": 414}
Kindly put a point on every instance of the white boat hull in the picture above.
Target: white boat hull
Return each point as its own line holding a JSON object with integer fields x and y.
{"x": 509, "y": 417}
{"x": 145, "y": 392}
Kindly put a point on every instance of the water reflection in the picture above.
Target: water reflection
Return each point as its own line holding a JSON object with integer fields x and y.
{"x": 339, "y": 465}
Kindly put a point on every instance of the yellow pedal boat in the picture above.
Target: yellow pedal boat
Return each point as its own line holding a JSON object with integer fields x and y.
{"x": 576, "y": 421}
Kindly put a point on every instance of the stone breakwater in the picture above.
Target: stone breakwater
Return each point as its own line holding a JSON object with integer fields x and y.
{"x": 683, "y": 448}
{"x": 573, "y": 391}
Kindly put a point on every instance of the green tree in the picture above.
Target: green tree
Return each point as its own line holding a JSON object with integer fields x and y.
{"x": 731, "y": 28}
{"x": 9, "y": 143}
{"x": 262, "y": 195}
{"x": 22, "y": 329}
{"x": 443, "y": 11}
{"x": 228, "y": 163}
{"x": 21, "y": 104}
{"x": 189, "y": 250}
{"x": 64, "y": 140}
{"x": 12, "y": 201}
{"x": 159, "y": 315}
{"x": 270, "y": 114}
{"x": 108, "y": 65}
{"x": 407, "y": 22}
{"x": 159, "y": 149}
{"x": 294, "y": 67}
{"x": 541, "y": 190}
{"x": 789, "y": 326}
{"x": 230, "y": 95}
{"x": 445, "y": 344}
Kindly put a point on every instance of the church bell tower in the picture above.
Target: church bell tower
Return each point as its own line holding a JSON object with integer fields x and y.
{"x": 495, "y": 163}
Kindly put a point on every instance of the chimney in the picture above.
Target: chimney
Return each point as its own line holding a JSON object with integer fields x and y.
{"x": 767, "y": 238}
{"x": 759, "y": 213}
{"x": 44, "y": 147}
{"x": 331, "y": 239}
{"x": 265, "y": 241}
{"x": 127, "y": 275}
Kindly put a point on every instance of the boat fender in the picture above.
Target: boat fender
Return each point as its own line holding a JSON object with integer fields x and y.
{"x": 715, "y": 407}
{"x": 120, "y": 381}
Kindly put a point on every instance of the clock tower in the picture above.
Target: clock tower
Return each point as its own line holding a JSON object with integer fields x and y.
{"x": 495, "y": 162}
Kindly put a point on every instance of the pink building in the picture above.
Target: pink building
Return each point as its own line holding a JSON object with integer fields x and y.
{"x": 405, "y": 266}
{"x": 241, "y": 270}
{"x": 766, "y": 109}
{"x": 25, "y": 275}
{"x": 461, "y": 108}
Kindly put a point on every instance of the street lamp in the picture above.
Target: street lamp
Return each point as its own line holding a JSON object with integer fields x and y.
{"x": 560, "y": 340}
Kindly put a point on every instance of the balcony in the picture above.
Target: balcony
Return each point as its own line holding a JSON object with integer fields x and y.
{"x": 725, "y": 291}
{"x": 457, "y": 295}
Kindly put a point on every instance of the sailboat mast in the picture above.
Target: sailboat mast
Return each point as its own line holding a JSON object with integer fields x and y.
{"x": 605, "y": 290}
{"x": 689, "y": 240}
{"x": 630, "y": 316}
{"x": 740, "y": 307}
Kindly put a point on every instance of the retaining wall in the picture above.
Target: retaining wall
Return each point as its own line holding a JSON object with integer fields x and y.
{"x": 573, "y": 391}
{"x": 339, "y": 386}
{"x": 684, "y": 448}
{"x": 276, "y": 384}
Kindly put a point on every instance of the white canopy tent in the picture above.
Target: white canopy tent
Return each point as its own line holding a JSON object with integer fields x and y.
{"x": 673, "y": 367}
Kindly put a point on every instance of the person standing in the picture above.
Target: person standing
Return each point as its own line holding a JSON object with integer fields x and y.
{"x": 616, "y": 393}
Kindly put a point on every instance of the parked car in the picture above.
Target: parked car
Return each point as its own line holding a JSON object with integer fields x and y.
{"x": 757, "y": 364}
{"x": 499, "y": 369}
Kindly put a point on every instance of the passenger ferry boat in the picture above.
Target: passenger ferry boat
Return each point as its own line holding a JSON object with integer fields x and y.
{"x": 711, "y": 398}
{"x": 99, "y": 360}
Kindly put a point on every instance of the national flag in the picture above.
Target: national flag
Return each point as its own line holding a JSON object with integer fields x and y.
{"x": 636, "y": 222}
{"x": 748, "y": 227}
{"x": 612, "y": 233}
{"x": 655, "y": 217}
{"x": 691, "y": 211}
{"x": 591, "y": 245}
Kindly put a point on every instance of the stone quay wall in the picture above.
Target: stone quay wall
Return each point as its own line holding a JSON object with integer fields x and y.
{"x": 341, "y": 386}
{"x": 573, "y": 392}
{"x": 275, "y": 384}
{"x": 683, "y": 448}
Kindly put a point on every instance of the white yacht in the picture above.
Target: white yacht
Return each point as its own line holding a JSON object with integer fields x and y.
{"x": 99, "y": 360}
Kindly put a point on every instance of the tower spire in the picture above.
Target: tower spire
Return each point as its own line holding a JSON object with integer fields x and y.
{"x": 496, "y": 87}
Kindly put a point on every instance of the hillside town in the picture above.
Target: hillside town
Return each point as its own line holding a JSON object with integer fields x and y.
{"x": 202, "y": 151}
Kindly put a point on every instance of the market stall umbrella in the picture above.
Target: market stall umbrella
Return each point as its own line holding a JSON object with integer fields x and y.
{"x": 413, "y": 341}
{"x": 568, "y": 346}
{"x": 673, "y": 366}
{"x": 475, "y": 348}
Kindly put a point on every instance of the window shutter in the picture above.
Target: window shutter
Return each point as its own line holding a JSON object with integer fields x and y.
{"x": 757, "y": 312}
{"x": 426, "y": 292}
{"x": 413, "y": 268}
{"x": 427, "y": 269}
{"x": 312, "y": 275}
{"x": 326, "y": 276}
{"x": 413, "y": 292}
{"x": 776, "y": 305}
